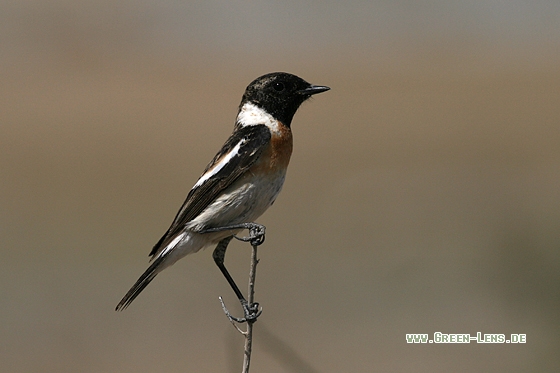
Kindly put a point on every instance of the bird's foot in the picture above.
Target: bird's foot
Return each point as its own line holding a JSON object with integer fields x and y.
{"x": 251, "y": 311}
{"x": 256, "y": 234}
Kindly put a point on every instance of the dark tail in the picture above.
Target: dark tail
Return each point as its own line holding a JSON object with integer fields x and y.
{"x": 142, "y": 282}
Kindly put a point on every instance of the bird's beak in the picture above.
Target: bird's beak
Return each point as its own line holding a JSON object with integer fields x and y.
{"x": 313, "y": 90}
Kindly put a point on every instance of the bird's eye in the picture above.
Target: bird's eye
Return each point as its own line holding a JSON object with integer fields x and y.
{"x": 278, "y": 86}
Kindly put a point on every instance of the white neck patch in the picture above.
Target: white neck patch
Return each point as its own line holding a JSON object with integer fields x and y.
{"x": 252, "y": 115}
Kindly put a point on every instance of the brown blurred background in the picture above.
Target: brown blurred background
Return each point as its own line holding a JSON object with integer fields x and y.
{"x": 423, "y": 193}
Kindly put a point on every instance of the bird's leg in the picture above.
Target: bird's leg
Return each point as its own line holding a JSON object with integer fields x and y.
{"x": 256, "y": 232}
{"x": 251, "y": 310}
{"x": 256, "y": 238}
{"x": 219, "y": 256}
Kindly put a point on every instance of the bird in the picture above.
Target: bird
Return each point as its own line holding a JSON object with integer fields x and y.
{"x": 239, "y": 184}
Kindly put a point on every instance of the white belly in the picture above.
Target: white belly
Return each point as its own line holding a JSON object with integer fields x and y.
{"x": 243, "y": 202}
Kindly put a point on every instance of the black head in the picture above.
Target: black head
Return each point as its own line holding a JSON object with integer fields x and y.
{"x": 280, "y": 94}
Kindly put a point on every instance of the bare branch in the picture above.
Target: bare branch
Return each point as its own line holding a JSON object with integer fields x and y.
{"x": 250, "y": 296}
{"x": 251, "y": 309}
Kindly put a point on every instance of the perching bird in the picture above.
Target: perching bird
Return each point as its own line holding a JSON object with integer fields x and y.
{"x": 240, "y": 183}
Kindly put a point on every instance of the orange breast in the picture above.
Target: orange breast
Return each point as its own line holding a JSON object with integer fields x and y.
{"x": 277, "y": 156}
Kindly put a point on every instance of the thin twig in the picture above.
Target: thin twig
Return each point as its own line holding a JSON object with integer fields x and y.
{"x": 250, "y": 297}
{"x": 232, "y": 319}
{"x": 251, "y": 309}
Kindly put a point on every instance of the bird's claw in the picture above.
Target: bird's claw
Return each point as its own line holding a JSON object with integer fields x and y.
{"x": 251, "y": 311}
{"x": 256, "y": 235}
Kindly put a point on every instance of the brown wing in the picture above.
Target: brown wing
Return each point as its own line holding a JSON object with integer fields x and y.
{"x": 240, "y": 151}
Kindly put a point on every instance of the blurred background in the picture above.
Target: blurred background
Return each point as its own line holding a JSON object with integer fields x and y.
{"x": 423, "y": 193}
